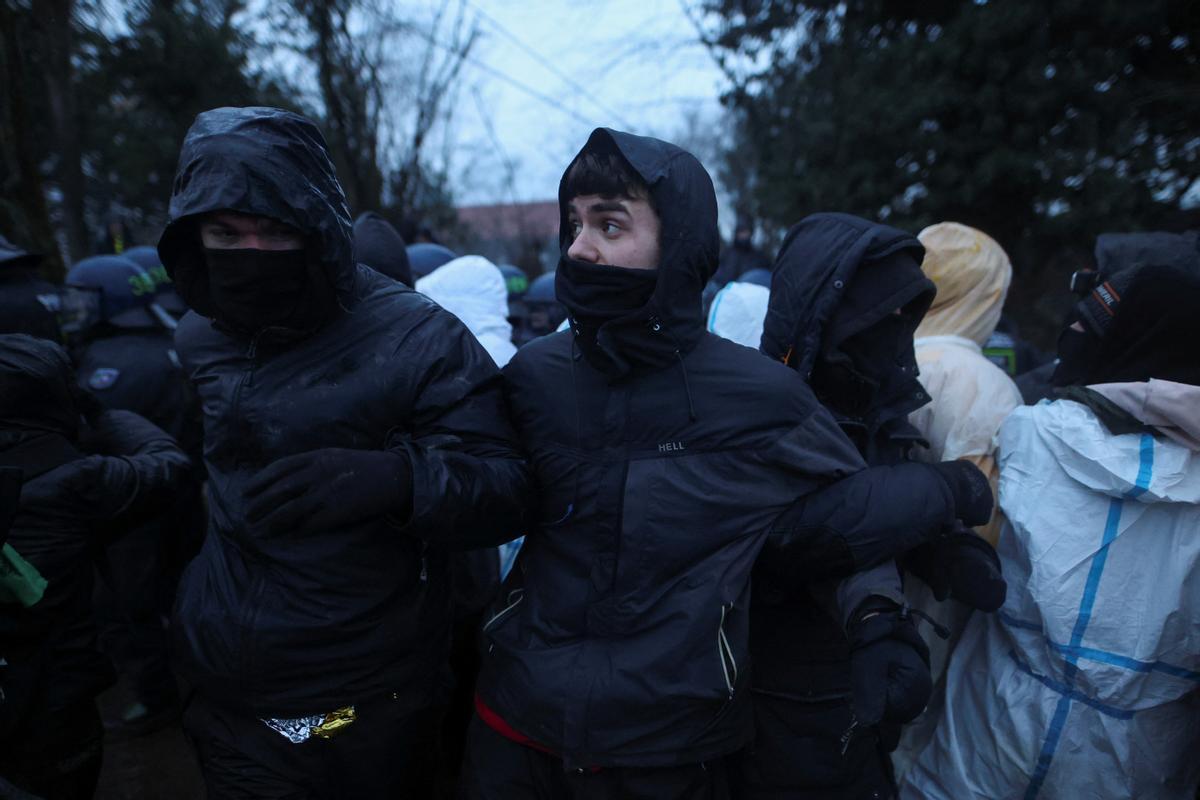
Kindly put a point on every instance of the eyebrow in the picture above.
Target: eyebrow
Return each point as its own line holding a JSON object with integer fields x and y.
{"x": 608, "y": 205}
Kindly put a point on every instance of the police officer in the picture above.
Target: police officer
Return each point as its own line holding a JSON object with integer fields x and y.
{"x": 28, "y": 303}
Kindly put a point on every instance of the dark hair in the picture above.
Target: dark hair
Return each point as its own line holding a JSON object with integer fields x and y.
{"x": 605, "y": 174}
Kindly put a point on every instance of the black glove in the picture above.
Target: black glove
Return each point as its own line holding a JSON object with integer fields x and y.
{"x": 960, "y": 564}
{"x": 889, "y": 664}
{"x": 973, "y": 501}
{"x": 324, "y": 489}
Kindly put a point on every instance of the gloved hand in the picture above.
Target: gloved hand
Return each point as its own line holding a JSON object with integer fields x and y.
{"x": 328, "y": 488}
{"x": 889, "y": 664}
{"x": 960, "y": 564}
{"x": 973, "y": 501}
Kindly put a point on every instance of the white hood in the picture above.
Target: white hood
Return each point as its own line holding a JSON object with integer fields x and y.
{"x": 738, "y": 311}
{"x": 472, "y": 289}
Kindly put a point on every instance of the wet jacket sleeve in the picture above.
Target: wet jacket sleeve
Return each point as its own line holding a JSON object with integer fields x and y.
{"x": 469, "y": 478}
{"x": 136, "y": 473}
{"x": 859, "y": 522}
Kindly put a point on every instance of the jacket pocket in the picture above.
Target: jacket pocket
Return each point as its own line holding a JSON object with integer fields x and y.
{"x": 729, "y": 668}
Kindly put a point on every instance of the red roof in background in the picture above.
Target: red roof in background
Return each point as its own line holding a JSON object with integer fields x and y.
{"x": 512, "y": 220}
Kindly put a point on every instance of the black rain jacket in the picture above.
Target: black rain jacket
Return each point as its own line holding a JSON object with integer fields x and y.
{"x": 82, "y": 485}
{"x": 621, "y": 636}
{"x": 296, "y": 625}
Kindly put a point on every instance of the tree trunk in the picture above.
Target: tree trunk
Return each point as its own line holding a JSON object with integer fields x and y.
{"x": 23, "y": 214}
{"x": 55, "y": 21}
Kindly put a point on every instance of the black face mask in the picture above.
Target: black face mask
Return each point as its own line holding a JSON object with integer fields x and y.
{"x": 879, "y": 373}
{"x": 595, "y": 293}
{"x": 256, "y": 289}
{"x": 1077, "y": 351}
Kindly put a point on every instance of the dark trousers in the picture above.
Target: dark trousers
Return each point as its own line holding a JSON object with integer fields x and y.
{"x": 801, "y": 752}
{"x": 387, "y": 752}
{"x": 498, "y": 768}
{"x": 132, "y": 602}
{"x": 56, "y": 756}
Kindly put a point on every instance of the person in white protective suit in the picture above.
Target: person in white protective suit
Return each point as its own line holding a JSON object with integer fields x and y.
{"x": 473, "y": 289}
{"x": 969, "y": 398}
{"x": 1087, "y": 683}
{"x": 737, "y": 312}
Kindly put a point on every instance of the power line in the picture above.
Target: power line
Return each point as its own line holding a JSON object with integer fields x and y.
{"x": 488, "y": 68}
{"x": 549, "y": 65}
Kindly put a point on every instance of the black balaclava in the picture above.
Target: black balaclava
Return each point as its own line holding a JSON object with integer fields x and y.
{"x": 1140, "y": 324}
{"x": 599, "y": 293}
{"x": 252, "y": 290}
{"x": 867, "y": 364}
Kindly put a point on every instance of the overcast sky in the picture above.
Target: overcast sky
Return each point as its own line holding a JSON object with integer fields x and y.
{"x": 630, "y": 64}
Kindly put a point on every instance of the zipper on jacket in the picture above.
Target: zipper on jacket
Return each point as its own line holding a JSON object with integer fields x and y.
{"x": 424, "y": 576}
{"x": 620, "y": 524}
{"x": 725, "y": 652}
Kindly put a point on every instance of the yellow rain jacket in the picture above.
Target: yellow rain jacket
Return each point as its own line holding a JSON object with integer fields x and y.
{"x": 969, "y": 398}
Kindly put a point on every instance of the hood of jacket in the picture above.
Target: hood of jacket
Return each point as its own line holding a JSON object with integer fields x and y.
{"x": 737, "y": 312}
{"x": 672, "y": 321}
{"x": 37, "y": 392}
{"x": 381, "y": 247}
{"x": 972, "y": 274}
{"x": 473, "y": 289}
{"x": 262, "y": 161}
{"x": 1172, "y": 409}
{"x": 836, "y": 276}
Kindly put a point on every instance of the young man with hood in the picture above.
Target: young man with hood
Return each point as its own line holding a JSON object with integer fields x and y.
{"x": 846, "y": 296}
{"x": 616, "y": 662}
{"x": 1085, "y": 684}
{"x": 353, "y": 431}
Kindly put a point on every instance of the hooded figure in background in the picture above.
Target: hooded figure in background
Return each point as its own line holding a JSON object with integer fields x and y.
{"x": 379, "y": 245}
{"x": 969, "y": 397}
{"x": 738, "y": 311}
{"x": 473, "y": 289}
{"x": 425, "y": 257}
{"x": 664, "y": 454}
{"x": 1085, "y": 685}
{"x": 831, "y": 692}
{"x": 354, "y": 432}
{"x": 88, "y": 475}
{"x": 28, "y": 302}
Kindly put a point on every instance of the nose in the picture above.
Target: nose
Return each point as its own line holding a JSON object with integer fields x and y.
{"x": 582, "y": 249}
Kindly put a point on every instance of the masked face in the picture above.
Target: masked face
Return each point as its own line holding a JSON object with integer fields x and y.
{"x": 1077, "y": 351}
{"x": 256, "y": 289}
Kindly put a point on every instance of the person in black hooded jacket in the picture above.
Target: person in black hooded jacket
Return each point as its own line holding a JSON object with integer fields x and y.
{"x": 354, "y": 432}
{"x": 88, "y": 475}
{"x": 379, "y": 245}
{"x": 846, "y": 297}
{"x": 616, "y": 661}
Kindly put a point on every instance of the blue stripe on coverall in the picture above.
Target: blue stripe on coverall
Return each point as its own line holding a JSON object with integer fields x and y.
{"x": 1111, "y": 529}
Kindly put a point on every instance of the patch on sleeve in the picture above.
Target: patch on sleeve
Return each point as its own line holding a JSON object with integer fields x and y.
{"x": 103, "y": 378}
